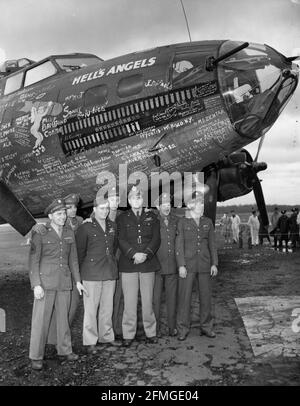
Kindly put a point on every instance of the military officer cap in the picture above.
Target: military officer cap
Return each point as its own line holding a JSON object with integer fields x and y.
{"x": 163, "y": 198}
{"x": 73, "y": 198}
{"x": 135, "y": 191}
{"x": 56, "y": 205}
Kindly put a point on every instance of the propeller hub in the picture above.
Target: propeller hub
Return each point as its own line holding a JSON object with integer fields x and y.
{"x": 259, "y": 166}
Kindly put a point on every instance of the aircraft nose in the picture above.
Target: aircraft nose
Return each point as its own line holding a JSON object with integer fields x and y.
{"x": 256, "y": 83}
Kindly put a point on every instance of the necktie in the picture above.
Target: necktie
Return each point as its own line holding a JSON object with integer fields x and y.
{"x": 166, "y": 221}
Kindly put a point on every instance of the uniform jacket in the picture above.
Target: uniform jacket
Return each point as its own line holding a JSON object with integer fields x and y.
{"x": 96, "y": 251}
{"x": 134, "y": 236}
{"x": 235, "y": 222}
{"x": 274, "y": 220}
{"x": 195, "y": 245}
{"x": 293, "y": 226}
{"x": 283, "y": 224}
{"x": 53, "y": 260}
{"x": 166, "y": 253}
{"x": 74, "y": 223}
{"x": 253, "y": 222}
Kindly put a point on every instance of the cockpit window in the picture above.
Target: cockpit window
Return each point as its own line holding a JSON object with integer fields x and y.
{"x": 254, "y": 86}
{"x": 40, "y": 72}
{"x": 188, "y": 68}
{"x": 13, "y": 83}
{"x": 70, "y": 64}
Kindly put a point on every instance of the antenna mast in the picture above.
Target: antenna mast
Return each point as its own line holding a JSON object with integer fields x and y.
{"x": 187, "y": 24}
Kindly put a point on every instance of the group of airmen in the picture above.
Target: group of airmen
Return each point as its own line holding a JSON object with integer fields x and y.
{"x": 110, "y": 259}
{"x": 283, "y": 228}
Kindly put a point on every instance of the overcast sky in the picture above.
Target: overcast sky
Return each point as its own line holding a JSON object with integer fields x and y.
{"x": 108, "y": 28}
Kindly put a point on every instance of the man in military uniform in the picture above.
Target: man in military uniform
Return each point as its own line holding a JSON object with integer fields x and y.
{"x": 168, "y": 274}
{"x": 52, "y": 264}
{"x": 139, "y": 239}
{"x": 294, "y": 228}
{"x": 118, "y": 307}
{"x": 73, "y": 222}
{"x": 197, "y": 259}
{"x": 96, "y": 246}
{"x": 283, "y": 227}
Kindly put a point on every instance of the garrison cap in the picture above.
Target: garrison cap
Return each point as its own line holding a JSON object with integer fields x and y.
{"x": 56, "y": 205}
{"x": 73, "y": 198}
{"x": 135, "y": 191}
{"x": 162, "y": 198}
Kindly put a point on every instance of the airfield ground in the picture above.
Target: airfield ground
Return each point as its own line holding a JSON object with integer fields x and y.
{"x": 227, "y": 360}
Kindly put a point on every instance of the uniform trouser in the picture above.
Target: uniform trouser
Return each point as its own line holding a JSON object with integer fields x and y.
{"x": 254, "y": 236}
{"x": 98, "y": 308}
{"x": 170, "y": 282}
{"x": 185, "y": 287}
{"x": 283, "y": 237}
{"x": 235, "y": 233}
{"x": 41, "y": 316}
{"x": 74, "y": 302}
{"x": 294, "y": 237}
{"x": 118, "y": 308}
{"x": 131, "y": 283}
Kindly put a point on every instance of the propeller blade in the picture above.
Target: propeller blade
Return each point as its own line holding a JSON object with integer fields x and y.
{"x": 260, "y": 201}
{"x": 13, "y": 211}
{"x": 259, "y": 147}
{"x": 292, "y": 58}
{"x": 210, "y": 199}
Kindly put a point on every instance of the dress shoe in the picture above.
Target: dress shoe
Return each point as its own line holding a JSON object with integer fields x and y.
{"x": 209, "y": 334}
{"x": 127, "y": 342}
{"x": 72, "y": 357}
{"x": 111, "y": 344}
{"x": 152, "y": 340}
{"x": 173, "y": 333}
{"x": 91, "y": 349}
{"x": 37, "y": 364}
{"x": 182, "y": 336}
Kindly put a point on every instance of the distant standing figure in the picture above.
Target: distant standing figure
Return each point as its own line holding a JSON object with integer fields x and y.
{"x": 235, "y": 226}
{"x": 263, "y": 231}
{"x": 226, "y": 227}
{"x": 253, "y": 223}
{"x": 294, "y": 228}
{"x": 274, "y": 226}
{"x": 283, "y": 226}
